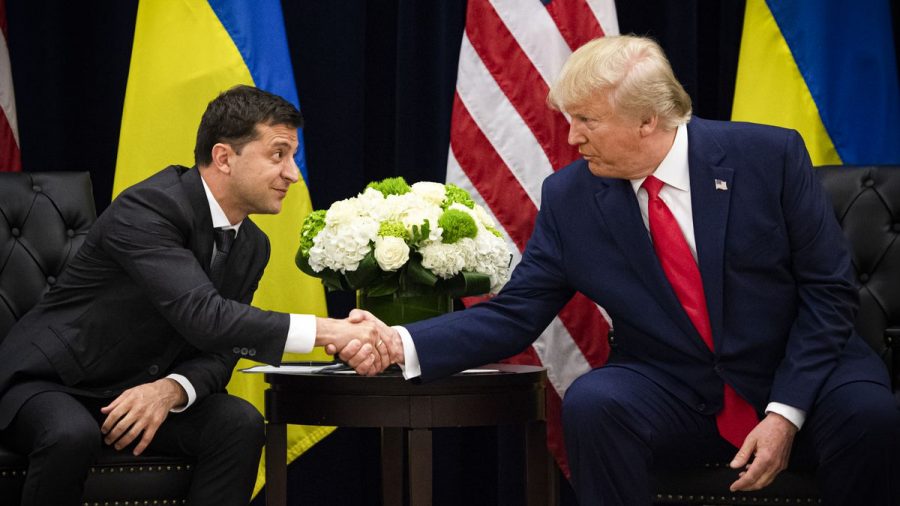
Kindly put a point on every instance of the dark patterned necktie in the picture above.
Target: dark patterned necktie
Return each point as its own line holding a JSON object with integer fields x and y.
{"x": 737, "y": 417}
{"x": 224, "y": 239}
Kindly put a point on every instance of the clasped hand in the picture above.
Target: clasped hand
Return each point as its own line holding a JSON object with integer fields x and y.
{"x": 361, "y": 340}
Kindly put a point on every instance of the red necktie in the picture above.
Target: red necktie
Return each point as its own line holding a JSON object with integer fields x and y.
{"x": 737, "y": 417}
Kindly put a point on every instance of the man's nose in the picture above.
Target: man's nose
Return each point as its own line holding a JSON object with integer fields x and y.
{"x": 291, "y": 172}
{"x": 575, "y": 137}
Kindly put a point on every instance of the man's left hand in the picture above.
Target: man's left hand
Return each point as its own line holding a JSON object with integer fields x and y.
{"x": 769, "y": 445}
{"x": 139, "y": 411}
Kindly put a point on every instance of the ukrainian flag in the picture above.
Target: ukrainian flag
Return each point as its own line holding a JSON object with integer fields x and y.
{"x": 185, "y": 53}
{"x": 827, "y": 69}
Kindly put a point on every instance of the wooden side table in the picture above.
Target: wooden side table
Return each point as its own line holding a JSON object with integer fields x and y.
{"x": 408, "y": 411}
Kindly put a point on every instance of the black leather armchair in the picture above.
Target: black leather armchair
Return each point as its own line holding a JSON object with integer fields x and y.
{"x": 44, "y": 218}
{"x": 867, "y": 204}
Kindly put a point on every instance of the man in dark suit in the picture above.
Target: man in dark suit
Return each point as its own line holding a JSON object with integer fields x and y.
{"x": 715, "y": 252}
{"x": 136, "y": 341}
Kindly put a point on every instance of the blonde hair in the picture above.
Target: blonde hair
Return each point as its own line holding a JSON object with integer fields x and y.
{"x": 635, "y": 74}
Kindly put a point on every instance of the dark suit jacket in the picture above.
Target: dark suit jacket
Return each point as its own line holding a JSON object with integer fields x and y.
{"x": 776, "y": 272}
{"x": 136, "y": 303}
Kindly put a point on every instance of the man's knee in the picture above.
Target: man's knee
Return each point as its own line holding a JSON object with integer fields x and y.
{"x": 590, "y": 402}
{"x": 68, "y": 436}
{"x": 240, "y": 419}
{"x": 864, "y": 415}
{"x": 877, "y": 421}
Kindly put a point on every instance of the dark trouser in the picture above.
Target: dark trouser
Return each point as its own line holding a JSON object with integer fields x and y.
{"x": 61, "y": 436}
{"x": 618, "y": 425}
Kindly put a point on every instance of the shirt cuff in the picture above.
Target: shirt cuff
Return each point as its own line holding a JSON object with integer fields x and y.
{"x": 188, "y": 389}
{"x": 794, "y": 415}
{"x": 301, "y": 334}
{"x": 410, "y": 366}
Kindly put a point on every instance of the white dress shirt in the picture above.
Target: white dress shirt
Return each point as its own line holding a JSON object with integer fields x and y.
{"x": 676, "y": 193}
{"x": 302, "y": 329}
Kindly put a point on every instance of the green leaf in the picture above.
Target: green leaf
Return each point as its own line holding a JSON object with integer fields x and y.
{"x": 417, "y": 274}
{"x": 367, "y": 272}
{"x": 466, "y": 284}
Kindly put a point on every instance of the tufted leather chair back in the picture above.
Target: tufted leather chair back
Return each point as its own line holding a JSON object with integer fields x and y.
{"x": 44, "y": 218}
{"x": 866, "y": 202}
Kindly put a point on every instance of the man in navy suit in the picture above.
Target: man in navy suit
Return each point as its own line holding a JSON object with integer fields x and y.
{"x": 134, "y": 344}
{"x": 716, "y": 253}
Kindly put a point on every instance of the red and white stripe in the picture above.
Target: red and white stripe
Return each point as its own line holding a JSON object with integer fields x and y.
{"x": 10, "y": 159}
{"x": 504, "y": 141}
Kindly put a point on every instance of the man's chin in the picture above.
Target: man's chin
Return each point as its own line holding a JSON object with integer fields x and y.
{"x": 598, "y": 170}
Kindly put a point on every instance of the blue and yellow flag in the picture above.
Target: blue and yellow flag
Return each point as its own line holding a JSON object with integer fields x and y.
{"x": 185, "y": 53}
{"x": 827, "y": 69}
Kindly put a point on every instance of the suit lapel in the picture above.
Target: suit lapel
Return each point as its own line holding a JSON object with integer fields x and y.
{"x": 711, "y": 188}
{"x": 201, "y": 241}
{"x": 620, "y": 212}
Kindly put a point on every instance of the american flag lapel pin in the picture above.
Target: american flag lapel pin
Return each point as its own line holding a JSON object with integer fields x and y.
{"x": 721, "y": 185}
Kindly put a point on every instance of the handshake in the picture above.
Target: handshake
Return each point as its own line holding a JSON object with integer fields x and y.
{"x": 361, "y": 340}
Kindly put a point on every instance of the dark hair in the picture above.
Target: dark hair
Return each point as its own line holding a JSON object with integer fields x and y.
{"x": 233, "y": 115}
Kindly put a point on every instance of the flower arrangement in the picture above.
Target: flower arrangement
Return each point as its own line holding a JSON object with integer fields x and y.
{"x": 402, "y": 240}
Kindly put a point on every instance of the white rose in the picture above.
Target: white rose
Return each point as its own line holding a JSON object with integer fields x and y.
{"x": 433, "y": 193}
{"x": 483, "y": 216}
{"x": 391, "y": 253}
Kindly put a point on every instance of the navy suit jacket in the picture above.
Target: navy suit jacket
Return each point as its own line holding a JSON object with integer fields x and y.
{"x": 776, "y": 271}
{"x": 136, "y": 303}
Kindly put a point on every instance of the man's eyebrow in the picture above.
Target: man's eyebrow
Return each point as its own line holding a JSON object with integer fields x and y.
{"x": 280, "y": 143}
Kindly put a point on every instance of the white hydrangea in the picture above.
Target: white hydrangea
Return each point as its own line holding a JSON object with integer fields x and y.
{"x": 340, "y": 247}
{"x": 413, "y": 210}
{"x": 444, "y": 260}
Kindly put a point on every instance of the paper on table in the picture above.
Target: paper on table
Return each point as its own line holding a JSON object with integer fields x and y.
{"x": 330, "y": 368}
{"x": 286, "y": 369}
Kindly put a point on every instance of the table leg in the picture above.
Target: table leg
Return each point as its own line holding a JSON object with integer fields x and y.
{"x": 420, "y": 463}
{"x": 276, "y": 464}
{"x": 540, "y": 475}
{"x": 392, "y": 466}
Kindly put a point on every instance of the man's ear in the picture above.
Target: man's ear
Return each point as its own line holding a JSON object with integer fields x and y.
{"x": 221, "y": 157}
{"x": 649, "y": 125}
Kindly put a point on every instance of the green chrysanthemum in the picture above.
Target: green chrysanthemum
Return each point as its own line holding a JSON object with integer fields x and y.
{"x": 312, "y": 225}
{"x": 455, "y": 194}
{"x": 391, "y": 186}
{"x": 393, "y": 229}
{"x": 457, "y": 225}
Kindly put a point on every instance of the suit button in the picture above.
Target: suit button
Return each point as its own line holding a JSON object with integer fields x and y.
{"x": 864, "y": 278}
{"x": 236, "y": 350}
{"x": 15, "y": 232}
{"x": 51, "y": 280}
{"x": 869, "y": 182}
{"x": 701, "y": 407}
{"x": 252, "y": 352}
{"x": 244, "y": 351}
{"x": 153, "y": 369}
{"x": 36, "y": 188}
{"x": 718, "y": 368}
{"x": 70, "y": 233}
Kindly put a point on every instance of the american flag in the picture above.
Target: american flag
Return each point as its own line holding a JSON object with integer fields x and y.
{"x": 504, "y": 141}
{"x": 9, "y": 134}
